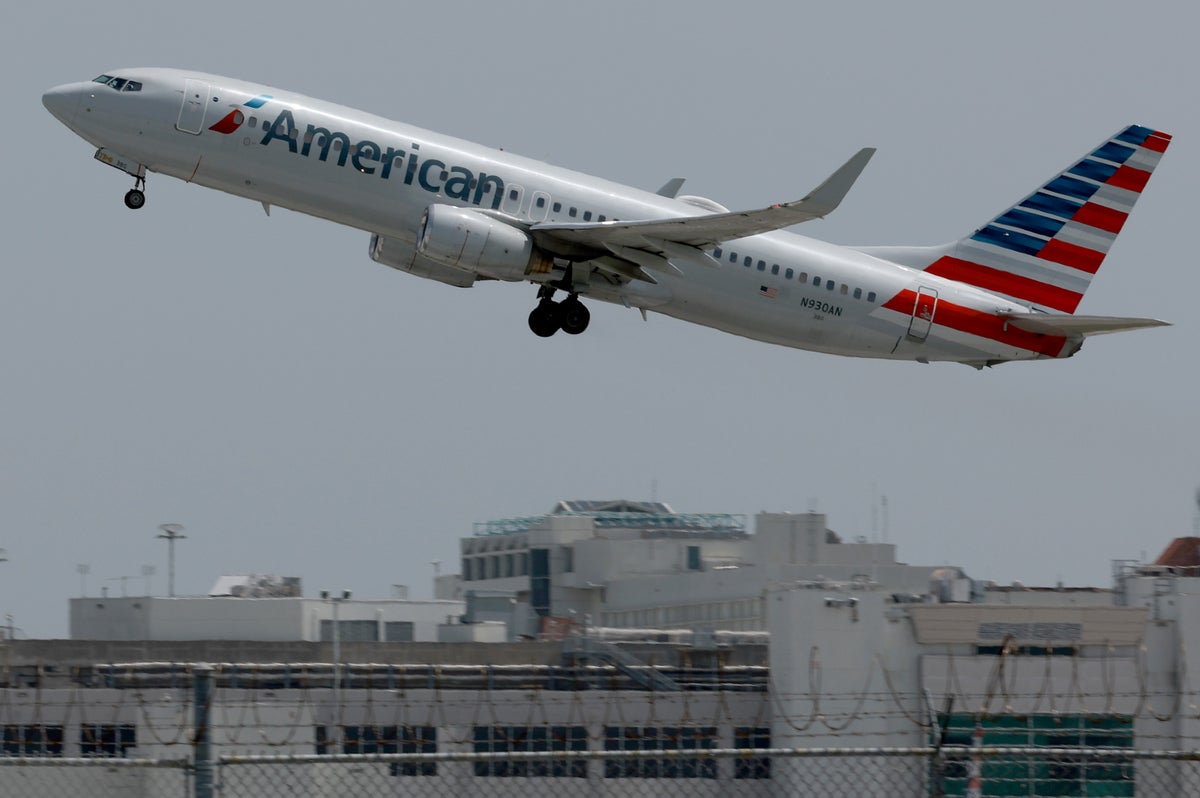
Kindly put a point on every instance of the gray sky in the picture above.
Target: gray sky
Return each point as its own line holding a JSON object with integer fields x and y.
{"x": 305, "y": 411}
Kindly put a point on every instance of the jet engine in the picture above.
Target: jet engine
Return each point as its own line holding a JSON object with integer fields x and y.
{"x": 401, "y": 256}
{"x": 460, "y": 238}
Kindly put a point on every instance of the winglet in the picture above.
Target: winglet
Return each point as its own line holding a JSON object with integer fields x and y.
{"x": 827, "y": 196}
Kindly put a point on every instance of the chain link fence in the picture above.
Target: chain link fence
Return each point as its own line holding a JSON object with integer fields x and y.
{"x": 39, "y": 777}
{"x": 728, "y": 773}
{"x": 720, "y": 773}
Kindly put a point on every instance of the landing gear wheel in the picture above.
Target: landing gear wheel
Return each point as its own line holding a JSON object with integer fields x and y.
{"x": 573, "y": 316}
{"x": 134, "y": 199}
{"x": 544, "y": 320}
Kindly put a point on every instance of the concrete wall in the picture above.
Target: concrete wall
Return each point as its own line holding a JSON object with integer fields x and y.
{"x": 260, "y": 619}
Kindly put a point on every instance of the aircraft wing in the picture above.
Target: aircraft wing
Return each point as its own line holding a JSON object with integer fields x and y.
{"x": 710, "y": 229}
{"x": 1046, "y": 324}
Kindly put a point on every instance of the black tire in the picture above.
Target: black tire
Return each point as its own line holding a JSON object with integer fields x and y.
{"x": 544, "y": 320}
{"x": 573, "y": 316}
{"x": 134, "y": 199}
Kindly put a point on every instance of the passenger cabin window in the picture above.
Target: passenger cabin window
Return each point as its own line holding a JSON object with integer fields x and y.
{"x": 816, "y": 282}
{"x": 513, "y": 195}
{"x": 571, "y": 212}
{"x": 254, "y": 121}
{"x": 858, "y": 293}
{"x": 774, "y": 268}
{"x": 733, "y": 257}
{"x": 829, "y": 285}
{"x": 556, "y": 207}
{"x": 762, "y": 265}
{"x": 803, "y": 277}
{"x": 871, "y": 296}
{"x": 788, "y": 274}
{"x": 587, "y": 216}
{"x": 749, "y": 261}
{"x": 541, "y": 202}
{"x": 845, "y": 288}
{"x": 717, "y": 252}
{"x": 600, "y": 218}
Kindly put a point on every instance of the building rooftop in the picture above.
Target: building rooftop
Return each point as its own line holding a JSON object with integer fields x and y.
{"x": 622, "y": 514}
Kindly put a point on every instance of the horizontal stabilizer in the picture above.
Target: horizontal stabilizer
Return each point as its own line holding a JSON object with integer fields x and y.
{"x": 1072, "y": 326}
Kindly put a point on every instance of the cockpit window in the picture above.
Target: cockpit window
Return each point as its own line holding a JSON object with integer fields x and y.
{"x": 118, "y": 84}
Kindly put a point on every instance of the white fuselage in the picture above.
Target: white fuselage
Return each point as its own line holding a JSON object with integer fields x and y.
{"x": 378, "y": 175}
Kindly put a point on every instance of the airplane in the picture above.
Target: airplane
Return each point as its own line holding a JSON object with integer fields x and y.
{"x": 458, "y": 212}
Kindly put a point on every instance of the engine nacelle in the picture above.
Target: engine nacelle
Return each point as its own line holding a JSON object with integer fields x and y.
{"x": 459, "y": 238}
{"x": 400, "y": 255}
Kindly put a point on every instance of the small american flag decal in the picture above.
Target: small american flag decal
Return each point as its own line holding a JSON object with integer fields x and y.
{"x": 768, "y": 291}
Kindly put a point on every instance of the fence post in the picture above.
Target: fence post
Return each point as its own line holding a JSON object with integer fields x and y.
{"x": 202, "y": 763}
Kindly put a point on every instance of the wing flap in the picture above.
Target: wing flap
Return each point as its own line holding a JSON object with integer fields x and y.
{"x": 1083, "y": 326}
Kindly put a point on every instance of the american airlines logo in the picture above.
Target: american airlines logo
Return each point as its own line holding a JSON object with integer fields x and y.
{"x": 370, "y": 158}
{"x": 234, "y": 119}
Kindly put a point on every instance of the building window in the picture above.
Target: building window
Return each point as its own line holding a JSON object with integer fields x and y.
{"x": 466, "y": 569}
{"x": 693, "y": 558}
{"x": 505, "y": 739}
{"x": 387, "y": 740}
{"x": 1034, "y": 775}
{"x": 398, "y": 631}
{"x": 33, "y": 740}
{"x": 106, "y": 740}
{"x": 351, "y": 631}
{"x": 539, "y": 580}
{"x": 752, "y": 767}
{"x": 666, "y": 738}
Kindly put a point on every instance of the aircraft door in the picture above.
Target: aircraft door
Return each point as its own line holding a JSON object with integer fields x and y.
{"x": 922, "y": 317}
{"x": 195, "y": 103}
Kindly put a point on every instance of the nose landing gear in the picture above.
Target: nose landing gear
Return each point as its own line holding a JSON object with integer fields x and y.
{"x": 136, "y": 196}
{"x": 570, "y": 315}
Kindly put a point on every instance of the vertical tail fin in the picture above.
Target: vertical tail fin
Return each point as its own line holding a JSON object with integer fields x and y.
{"x": 1045, "y": 250}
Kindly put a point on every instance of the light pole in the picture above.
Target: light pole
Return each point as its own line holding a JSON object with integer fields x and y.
{"x": 337, "y": 659}
{"x": 171, "y": 533}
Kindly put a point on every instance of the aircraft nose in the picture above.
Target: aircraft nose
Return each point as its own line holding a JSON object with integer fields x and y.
{"x": 62, "y": 102}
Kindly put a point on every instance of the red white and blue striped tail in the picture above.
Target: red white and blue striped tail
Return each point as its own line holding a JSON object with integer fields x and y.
{"x": 1045, "y": 250}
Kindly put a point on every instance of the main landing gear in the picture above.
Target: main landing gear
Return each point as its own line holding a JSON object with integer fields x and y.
{"x": 570, "y": 315}
{"x": 136, "y": 196}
